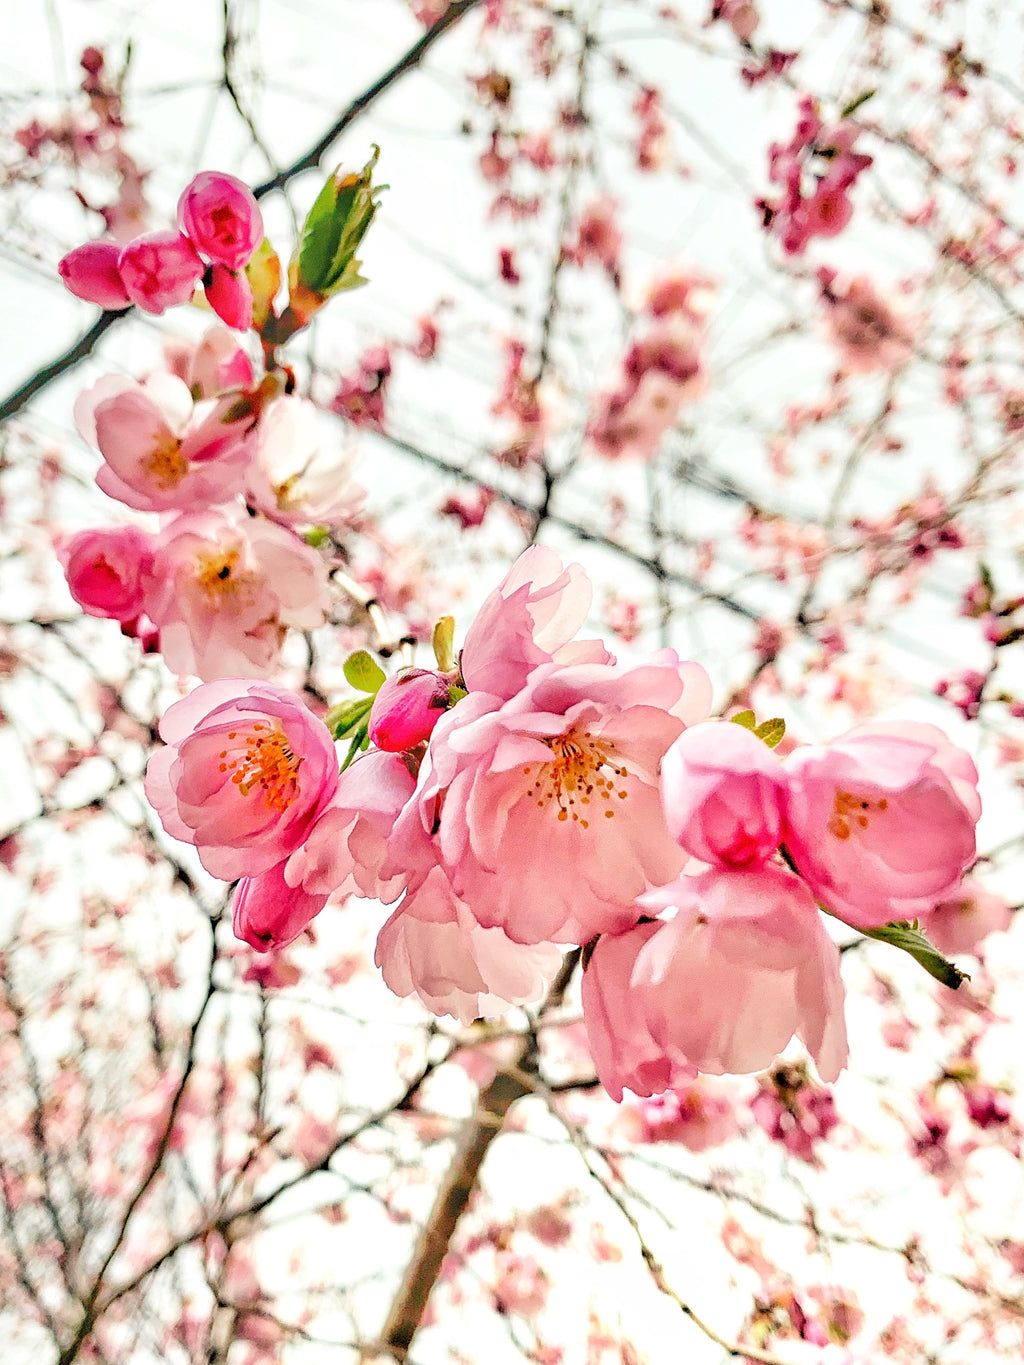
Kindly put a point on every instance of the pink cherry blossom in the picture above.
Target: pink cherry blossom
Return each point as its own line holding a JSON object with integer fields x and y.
{"x": 529, "y": 619}
{"x": 213, "y": 367}
{"x": 295, "y": 475}
{"x": 698, "y": 1114}
{"x": 159, "y": 270}
{"x": 625, "y": 1053}
{"x": 91, "y": 273}
{"x": 880, "y": 823}
{"x": 597, "y": 236}
{"x": 963, "y": 920}
{"x": 745, "y": 964}
{"x": 723, "y": 790}
{"x": 246, "y": 769}
{"x": 434, "y": 948}
{"x": 229, "y": 294}
{"x": 546, "y": 808}
{"x": 347, "y": 844}
{"x": 268, "y": 914}
{"x": 407, "y": 708}
{"x": 866, "y": 330}
{"x": 106, "y": 569}
{"x": 221, "y": 218}
{"x": 226, "y": 586}
{"x": 161, "y": 451}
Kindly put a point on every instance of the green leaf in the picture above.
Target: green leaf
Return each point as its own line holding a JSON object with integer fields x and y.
{"x": 858, "y": 102}
{"x": 443, "y": 640}
{"x": 319, "y": 239}
{"x": 771, "y": 731}
{"x": 745, "y": 718}
{"x": 911, "y": 938}
{"x": 363, "y": 673}
{"x": 347, "y": 716}
{"x": 316, "y": 536}
{"x": 335, "y": 226}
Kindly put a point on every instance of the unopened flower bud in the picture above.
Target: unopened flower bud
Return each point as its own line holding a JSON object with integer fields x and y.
{"x": 229, "y": 294}
{"x": 407, "y": 708}
{"x": 222, "y": 219}
{"x": 90, "y": 272}
{"x": 159, "y": 270}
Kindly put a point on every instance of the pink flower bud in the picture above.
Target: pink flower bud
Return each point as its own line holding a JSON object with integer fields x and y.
{"x": 105, "y": 569}
{"x": 229, "y": 294}
{"x": 159, "y": 270}
{"x": 90, "y": 272}
{"x": 221, "y": 217}
{"x": 407, "y": 708}
{"x": 268, "y": 913}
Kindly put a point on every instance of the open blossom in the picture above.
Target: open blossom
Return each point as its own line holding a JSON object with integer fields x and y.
{"x": 546, "y": 807}
{"x": 744, "y": 965}
{"x": 268, "y": 914}
{"x": 295, "y": 477}
{"x": 245, "y": 770}
{"x": 159, "y": 270}
{"x": 347, "y": 844}
{"x": 868, "y": 333}
{"x": 215, "y": 365}
{"x": 880, "y": 823}
{"x": 221, "y": 218}
{"x": 106, "y": 569}
{"x": 529, "y": 619}
{"x": 624, "y": 1050}
{"x": 961, "y": 921}
{"x": 226, "y": 586}
{"x": 161, "y": 451}
{"x": 434, "y": 948}
{"x": 722, "y": 789}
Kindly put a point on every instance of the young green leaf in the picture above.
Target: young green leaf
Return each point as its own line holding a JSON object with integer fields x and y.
{"x": 911, "y": 938}
{"x": 363, "y": 673}
{"x": 771, "y": 731}
{"x": 745, "y": 718}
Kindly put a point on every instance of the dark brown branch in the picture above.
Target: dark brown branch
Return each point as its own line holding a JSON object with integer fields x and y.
{"x": 77, "y": 351}
{"x": 509, "y": 1085}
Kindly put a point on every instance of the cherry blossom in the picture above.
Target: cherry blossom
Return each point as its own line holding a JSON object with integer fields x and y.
{"x": 880, "y": 823}
{"x": 245, "y": 770}
{"x": 224, "y": 589}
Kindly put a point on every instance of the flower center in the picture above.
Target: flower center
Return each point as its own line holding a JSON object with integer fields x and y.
{"x": 851, "y": 812}
{"x": 218, "y": 575}
{"x": 575, "y": 776}
{"x": 260, "y": 757}
{"x": 166, "y": 465}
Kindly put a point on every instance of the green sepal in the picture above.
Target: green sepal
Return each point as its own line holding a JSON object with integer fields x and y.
{"x": 363, "y": 673}
{"x": 334, "y": 227}
{"x": 360, "y": 742}
{"x": 348, "y": 716}
{"x": 911, "y": 938}
{"x": 443, "y": 640}
{"x": 858, "y": 102}
{"x": 771, "y": 731}
{"x": 316, "y": 536}
{"x": 745, "y": 718}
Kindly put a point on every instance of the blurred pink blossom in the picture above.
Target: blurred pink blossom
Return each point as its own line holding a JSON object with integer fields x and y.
{"x": 962, "y": 921}
{"x": 106, "y": 568}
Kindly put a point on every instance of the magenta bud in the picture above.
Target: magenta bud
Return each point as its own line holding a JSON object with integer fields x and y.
{"x": 222, "y": 219}
{"x": 229, "y": 294}
{"x": 159, "y": 270}
{"x": 407, "y": 708}
{"x": 90, "y": 272}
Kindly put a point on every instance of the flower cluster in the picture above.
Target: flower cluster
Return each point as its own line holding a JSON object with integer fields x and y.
{"x": 817, "y": 169}
{"x": 233, "y": 466}
{"x": 662, "y": 369}
{"x": 536, "y": 795}
{"x": 220, "y": 228}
